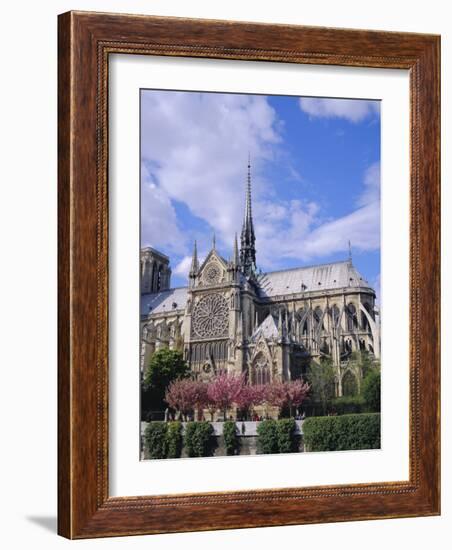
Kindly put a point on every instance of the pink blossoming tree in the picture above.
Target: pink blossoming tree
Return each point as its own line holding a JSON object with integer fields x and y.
{"x": 249, "y": 397}
{"x": 186, "y": 395}
{"x": 287, "y": 394}
{"x": 224, "y": 390}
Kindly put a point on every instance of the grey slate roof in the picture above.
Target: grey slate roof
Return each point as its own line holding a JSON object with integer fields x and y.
{"x": 330, "y": 276}
{"x": 267, "y": 328}
{"x": 163, "y": 301}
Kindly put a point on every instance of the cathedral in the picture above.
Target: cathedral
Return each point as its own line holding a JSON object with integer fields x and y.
{"x": 271, "y": 326}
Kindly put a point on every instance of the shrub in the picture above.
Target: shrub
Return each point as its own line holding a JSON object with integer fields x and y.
{"x": 348, "y": 404}
{"x": 231, "y": 439}
{"x": 267, "y": 437}
{"x": 198, "y": 440}
{"x": 372, "y": 390}
{"x": 340, "y": 433}
{"x": 155, "y": 437}
{"x": 174, "y": 440}
{"x": 287, "y": 440}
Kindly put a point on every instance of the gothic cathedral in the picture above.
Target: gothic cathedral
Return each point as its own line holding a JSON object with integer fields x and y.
{"x": 270, "y": 326}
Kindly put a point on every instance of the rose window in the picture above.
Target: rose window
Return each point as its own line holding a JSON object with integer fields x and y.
{"x": 211, "y": 316}
{"x": 212, "y": 274}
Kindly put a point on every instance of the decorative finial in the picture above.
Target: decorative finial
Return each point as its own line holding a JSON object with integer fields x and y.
{"x": 349, "y": 251}
{"x": 194, "y": 261}
{"x": 235, "y": 258}
{"x": 214, "y": 241}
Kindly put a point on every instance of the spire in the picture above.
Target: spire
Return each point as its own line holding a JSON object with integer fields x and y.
{"x": 247, "y": 238}
{"x": 349, "y": 251}
{"x": 194, "y": 262}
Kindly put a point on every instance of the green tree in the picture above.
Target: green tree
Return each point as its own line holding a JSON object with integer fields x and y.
{"x": 371, "y": 390}
{"x": 321, "y": 379}
{"x": 165, "y": 366}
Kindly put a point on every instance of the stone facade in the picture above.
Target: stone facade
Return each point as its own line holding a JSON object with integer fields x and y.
{"x": 268, "y": 325}
{"x": 155, "y": 271}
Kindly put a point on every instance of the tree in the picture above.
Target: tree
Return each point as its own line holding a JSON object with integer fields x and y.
{"x": 296, "y": 391}
{"x": 371, "y": 390}
{"x": 321, "y": 378}
{"x": 287, "y": 394}
{"x": 224, "y": 390}
{"x": 186, "y": 395}
{"x": 249, "y": 397}
{"x": 165, "y": 366}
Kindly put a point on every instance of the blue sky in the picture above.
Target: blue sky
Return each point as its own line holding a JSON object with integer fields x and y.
{"x": 315, "y": 166}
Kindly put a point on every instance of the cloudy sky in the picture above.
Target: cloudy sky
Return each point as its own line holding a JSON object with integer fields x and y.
{"x": 315, "y": 167}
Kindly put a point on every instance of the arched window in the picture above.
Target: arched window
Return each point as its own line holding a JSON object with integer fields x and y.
{"x": 352, "y": 318}
{"x": 325, "y": 348}
{"x": 160, "y": 278}
{"x": 349, "y": 384}
{"x": 261, "y": 370}
{"x": 335, "y": 313}
{"x": 317, "y": 316}
{"x": 301, "y": 314}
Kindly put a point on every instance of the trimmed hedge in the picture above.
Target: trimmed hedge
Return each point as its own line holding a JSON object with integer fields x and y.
{"x": 267, "y": 437}
{"x": 353, "y": 404}
{"x": 155, "y": 437}
{"x": 342, "y": 433}
{"x": 287, "y": 440}
{"x": 231, "y": 438}
{"x": 198, "y": 440}
{"x": 174, "y": 440}
{"x": 277, "y": 436}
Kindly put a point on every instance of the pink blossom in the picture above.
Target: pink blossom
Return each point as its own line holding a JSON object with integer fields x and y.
{"x": 224, "y": 390}
{"x": 287, "y": 394}
{"x": 186, "y": 395}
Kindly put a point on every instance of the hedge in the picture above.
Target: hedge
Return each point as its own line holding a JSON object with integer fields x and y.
{"x": 341, "y": 433}
{"x": 277, "y": 436}
{"x": 267, "y": 437}
{"x": 287, "y": 440}
{"x": 231, "y": 438}
{"x": 372, "y": 390}
{"x": 174, "y": 440}
{"x": 348, "y": 405}
{"x": 155, "y": 437}
{"x": 198, "y": 440}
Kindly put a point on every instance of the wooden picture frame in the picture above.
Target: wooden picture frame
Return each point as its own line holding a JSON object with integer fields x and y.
{"x": 85, "y": 42}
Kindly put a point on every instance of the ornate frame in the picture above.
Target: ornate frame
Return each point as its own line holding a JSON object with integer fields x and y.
{"x": 85, "y": 42}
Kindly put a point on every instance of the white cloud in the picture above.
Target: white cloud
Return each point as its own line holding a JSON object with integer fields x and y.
{"x": 295, "y": 230}
{"x": 371, "y": 192}
{"x": 159, "y": 226}
{"x": 196, "y": 147}
{"x": 353, "y": 110}
{"x": 183, "y": 267}
{"x": 194, "y": 151}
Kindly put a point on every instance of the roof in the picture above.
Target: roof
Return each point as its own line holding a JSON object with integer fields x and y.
{"x": 321, "y": 277}
{"x": 267, "y": 328}
{"x": 160, "y": 302}
{"x": 330, "y": 276}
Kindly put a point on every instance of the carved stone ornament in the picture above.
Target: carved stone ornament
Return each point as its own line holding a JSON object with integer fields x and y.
{"x": 211, "y": 317}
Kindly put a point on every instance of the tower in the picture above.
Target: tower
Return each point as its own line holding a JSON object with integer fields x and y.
{"x": 247, "y": 238}
{"x": 155, "y": 271}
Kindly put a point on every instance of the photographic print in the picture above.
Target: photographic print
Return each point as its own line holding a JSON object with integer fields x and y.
{"x": 260, "y": 274}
